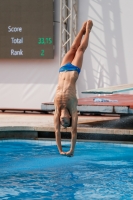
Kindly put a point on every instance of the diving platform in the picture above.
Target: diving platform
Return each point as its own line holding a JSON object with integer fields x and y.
{"x": 114, "y": 104}
{"x": 110, "y": 90}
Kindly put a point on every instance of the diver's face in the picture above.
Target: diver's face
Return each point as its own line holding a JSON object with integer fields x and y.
{"x": 65, "y": 121}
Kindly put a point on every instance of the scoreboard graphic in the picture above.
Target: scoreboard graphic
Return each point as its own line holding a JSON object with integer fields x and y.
{"x": 26, "y": 29}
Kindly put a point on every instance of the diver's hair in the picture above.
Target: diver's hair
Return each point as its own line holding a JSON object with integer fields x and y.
{"x": 69, "y": 124}
{"x": 70, "y": 119}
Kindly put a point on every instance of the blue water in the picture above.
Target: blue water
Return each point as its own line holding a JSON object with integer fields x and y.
{"x": 35, "y": 170}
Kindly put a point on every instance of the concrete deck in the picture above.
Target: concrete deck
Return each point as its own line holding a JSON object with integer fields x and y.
{"x": 25, "y": 125}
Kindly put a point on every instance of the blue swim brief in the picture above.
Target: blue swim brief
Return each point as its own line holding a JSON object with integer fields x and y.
{"x": 69, "y": 67}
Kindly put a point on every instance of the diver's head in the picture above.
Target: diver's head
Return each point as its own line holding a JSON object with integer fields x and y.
{"x": 65, "y": 118}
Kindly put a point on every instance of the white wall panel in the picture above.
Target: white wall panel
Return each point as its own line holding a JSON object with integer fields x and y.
{"x": 108, "y": 59}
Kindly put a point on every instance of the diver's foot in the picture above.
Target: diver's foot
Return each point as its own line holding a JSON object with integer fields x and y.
{"x": 89, "y": 25}
{"x": 84, "y": 27}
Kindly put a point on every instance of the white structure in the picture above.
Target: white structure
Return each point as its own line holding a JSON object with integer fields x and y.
{"x": 107, "y": 61}
{"x": 68, "y": 25}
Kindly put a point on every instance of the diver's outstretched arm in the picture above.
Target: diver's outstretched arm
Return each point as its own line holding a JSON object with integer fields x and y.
{"x": 57, "y": 132}
{"x": 73, "y": 134}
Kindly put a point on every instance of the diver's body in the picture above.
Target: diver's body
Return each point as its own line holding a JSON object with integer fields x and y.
{"x": 65, "y": 100}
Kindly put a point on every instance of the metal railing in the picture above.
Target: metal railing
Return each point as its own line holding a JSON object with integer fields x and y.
{"x": 68, "y": 25}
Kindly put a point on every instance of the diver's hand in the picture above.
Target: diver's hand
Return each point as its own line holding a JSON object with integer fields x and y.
{"x": 69, "y": 153}
{"x": 62, "y": 153}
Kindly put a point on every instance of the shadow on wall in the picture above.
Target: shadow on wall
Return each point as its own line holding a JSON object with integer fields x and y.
{"x": 105, "y": 54}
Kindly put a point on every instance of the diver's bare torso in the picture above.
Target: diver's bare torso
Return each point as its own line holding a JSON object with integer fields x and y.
{"x": 66, "y": 91}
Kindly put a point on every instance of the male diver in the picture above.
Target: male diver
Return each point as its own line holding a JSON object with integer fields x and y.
{"x": 65, "y": 100}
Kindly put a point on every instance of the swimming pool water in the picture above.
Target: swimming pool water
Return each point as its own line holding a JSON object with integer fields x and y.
{"x": 35, "y": 170}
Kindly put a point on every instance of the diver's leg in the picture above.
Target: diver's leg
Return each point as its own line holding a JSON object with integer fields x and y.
{"x": 78, "y": 59}
{"x": 71, "y": 53}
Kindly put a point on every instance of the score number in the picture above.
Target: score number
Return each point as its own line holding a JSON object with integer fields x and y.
{"x": 44, "y": 41}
